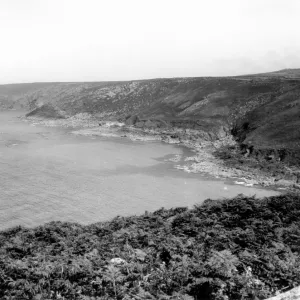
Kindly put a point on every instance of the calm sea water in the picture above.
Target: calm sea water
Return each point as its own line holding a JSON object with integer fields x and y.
{"x": 49, "y": 174}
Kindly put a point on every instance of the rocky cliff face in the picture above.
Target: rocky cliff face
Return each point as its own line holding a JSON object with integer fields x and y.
{"x": 262, "y": 111}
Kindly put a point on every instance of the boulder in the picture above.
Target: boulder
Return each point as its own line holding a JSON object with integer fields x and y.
{"x": 140, "y": 124}
{"x": 131, "y": 120}
{"x": 150, "y": 124}
{"x": 117, "y": 261}
{"x": 221, "y": 133}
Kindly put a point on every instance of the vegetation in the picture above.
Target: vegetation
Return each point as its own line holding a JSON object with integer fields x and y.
{"x": 268, "y": 163}
{"x": 261, "y": 110}
{"x": 240, "y": 248}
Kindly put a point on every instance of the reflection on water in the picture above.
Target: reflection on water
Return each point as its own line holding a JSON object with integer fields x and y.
{"x": 47, "y": 174}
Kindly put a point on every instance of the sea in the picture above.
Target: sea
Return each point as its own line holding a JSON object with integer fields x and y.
{"x": 49, "y": 174}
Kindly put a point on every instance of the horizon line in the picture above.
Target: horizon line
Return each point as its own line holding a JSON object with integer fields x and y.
{"x": 157, "y": 78}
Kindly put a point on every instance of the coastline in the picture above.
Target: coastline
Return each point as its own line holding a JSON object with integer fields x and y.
{"x": 243, "y": 230}
{"x": 204, "y": 146}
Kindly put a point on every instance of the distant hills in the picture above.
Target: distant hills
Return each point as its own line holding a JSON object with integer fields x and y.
{"x": 285, "y": 73}
{"x": 262, "y": 110}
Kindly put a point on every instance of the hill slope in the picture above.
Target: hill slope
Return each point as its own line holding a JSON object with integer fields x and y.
{"x": 263, "y": 111}
{"x": 240, "y": 248}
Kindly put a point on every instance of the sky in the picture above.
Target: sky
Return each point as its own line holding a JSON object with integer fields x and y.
{"x": 100, "y": 40}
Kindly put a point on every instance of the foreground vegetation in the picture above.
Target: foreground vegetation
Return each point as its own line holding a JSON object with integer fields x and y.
{"x": 241, "y": 248}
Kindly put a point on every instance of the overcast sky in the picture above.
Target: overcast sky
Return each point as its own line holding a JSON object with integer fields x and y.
{"x": 95, "y": 40}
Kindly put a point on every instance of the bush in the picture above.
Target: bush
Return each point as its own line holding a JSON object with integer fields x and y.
{"x": 240, "y": 248}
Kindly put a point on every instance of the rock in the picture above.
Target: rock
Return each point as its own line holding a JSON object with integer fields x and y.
{"x": 139, "y": 124}
{"x": 140, "y": 255}
{"x": 47, "y": 111}
{"x": 132, "y": 120}
{"x": 151, "y": 243}
{"x": 221, "y": 133}
{"x": 94, "y": 252}
{"x": 293, "y": 294}
{"x": 174, "y": 136}
{"x": 149, "y": 123}
{"x": 152, "y": 124}
{"x": 117, "y": 261}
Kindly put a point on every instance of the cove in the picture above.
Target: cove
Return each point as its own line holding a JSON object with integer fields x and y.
{"x": 48, "y": 174}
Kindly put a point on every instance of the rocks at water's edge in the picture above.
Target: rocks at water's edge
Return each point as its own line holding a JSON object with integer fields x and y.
{"x": 216, "y": 152}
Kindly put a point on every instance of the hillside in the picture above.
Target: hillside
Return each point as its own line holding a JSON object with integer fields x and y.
{"x": 262, "y": 111}
{"x": 240, "y": 248}
{"x": 284, "y": 73}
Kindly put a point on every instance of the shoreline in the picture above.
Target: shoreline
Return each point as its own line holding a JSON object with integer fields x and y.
{"x": 203, "y": 161}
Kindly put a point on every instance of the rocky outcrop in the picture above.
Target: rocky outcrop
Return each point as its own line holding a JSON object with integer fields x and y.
{"x": 293, "y": 294}
{"x": 152, "y": 123}
{"x": 47, "y": 111}
{"x": 131, "y": 120}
